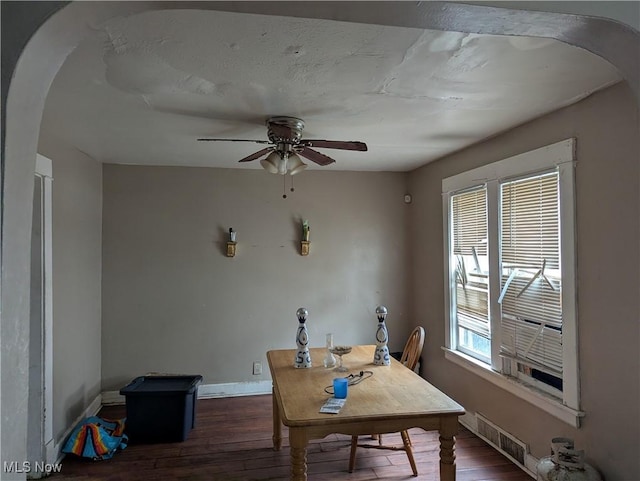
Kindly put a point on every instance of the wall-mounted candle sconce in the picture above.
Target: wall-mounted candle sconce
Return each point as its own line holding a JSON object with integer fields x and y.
{"x": 231, "y": 244}
{"x": 304, "y": 243}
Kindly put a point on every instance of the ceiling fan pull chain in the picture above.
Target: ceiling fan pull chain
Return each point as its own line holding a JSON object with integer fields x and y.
{"x": 284, "y": 186}
{"x": 292, "y": 189}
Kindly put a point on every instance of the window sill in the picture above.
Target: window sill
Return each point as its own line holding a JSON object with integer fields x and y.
{"x": 537, "y": 398}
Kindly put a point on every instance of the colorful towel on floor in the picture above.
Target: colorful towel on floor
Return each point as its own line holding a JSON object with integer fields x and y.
{"x": 96, "y": 438}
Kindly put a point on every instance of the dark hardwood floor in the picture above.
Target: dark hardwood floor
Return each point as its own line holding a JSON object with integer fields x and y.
{"x": 232, "y": 442}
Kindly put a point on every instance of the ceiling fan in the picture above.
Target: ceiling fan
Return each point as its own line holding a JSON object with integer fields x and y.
{"x": 286, "y": 145}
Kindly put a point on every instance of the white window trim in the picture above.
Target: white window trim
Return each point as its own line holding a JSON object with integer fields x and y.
{"x": 534, "y": 396}
{"x": 562, "y": 156}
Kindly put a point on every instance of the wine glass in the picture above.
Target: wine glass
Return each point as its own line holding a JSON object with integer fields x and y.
{"x": 340, "y": 351}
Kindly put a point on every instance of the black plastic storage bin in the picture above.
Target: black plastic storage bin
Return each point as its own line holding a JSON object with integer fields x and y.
{"x": 160, "y": 409}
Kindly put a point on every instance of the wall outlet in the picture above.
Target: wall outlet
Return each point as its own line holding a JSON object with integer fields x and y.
{"x": 257, "y": 368}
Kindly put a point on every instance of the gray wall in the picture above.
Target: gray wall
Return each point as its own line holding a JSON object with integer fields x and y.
{"x": 607, "y": 194}
{"x": 173, "y": 301}
{"x": 77, "y": 264}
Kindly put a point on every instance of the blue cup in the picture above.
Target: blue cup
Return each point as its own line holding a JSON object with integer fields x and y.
{"x": 340, "y": 387}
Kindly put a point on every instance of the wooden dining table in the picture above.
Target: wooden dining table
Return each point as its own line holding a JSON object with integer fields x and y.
{"x": 392, "y": 399}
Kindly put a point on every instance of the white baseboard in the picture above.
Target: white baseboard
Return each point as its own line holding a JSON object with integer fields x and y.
{"x": 531, "y": 462}
{"x": 112, "y": 398}
{"x": 207, "y": 391}
{"x": 54, "y": 449}
{"x": 469, "y": 421}
{"x": 234, "y": 389}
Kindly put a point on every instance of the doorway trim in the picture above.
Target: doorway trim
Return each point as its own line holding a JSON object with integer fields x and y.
{"x": 44, "y": 170}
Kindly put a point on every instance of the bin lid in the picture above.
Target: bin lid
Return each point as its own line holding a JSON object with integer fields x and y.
{"x": 162, "y": 385}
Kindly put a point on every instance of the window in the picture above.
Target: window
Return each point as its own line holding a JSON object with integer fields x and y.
{"x": 510, "y": 272}
{"x": 530, "y": 280}
{"x": 469, "y": 249}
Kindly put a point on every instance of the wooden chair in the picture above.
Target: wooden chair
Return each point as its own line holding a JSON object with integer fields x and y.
{"x": 410, "y": 357}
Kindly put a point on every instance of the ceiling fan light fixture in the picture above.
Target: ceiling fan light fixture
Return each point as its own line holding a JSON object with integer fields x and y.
{"x": 282, "y": 163}
{"x": 271, "y": 162}
{"x": 295, "y": 164}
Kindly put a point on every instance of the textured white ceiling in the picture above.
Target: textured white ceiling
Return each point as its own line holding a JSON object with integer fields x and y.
{"x": 142, "y": 89}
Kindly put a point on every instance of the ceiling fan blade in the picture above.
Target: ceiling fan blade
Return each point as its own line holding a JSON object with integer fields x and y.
{"x": 314, "y": 156}
{"x": 334, "y": 144}
{"x": 256, "y": 155}
{"x": 235, "y": 140}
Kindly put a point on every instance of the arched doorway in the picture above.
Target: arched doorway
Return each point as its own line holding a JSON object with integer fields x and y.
{"x": 40, "y": 60}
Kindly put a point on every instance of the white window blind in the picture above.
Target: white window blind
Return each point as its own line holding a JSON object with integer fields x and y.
{"x": 469, "y": 224}
{"x": 531, "y": 327}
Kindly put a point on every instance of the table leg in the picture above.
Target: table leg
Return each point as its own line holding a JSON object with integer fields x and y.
{"x": 277, "y": 423}
{"x": 448, "y": 431}
{"x": 298, "y": 441}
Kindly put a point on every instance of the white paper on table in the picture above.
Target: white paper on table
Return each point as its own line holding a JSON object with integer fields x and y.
{"x": 332, "y": 406}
